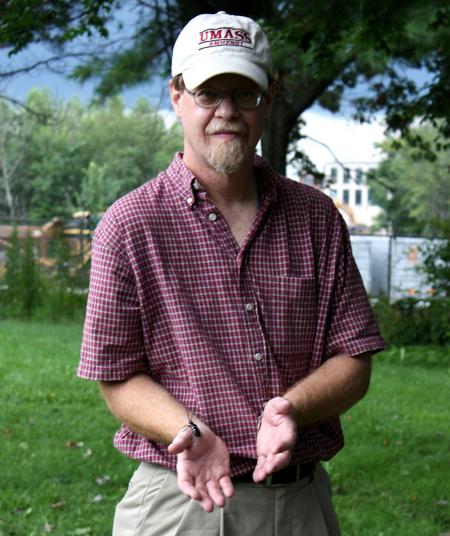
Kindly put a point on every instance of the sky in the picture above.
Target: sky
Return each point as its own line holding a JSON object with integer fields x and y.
{"x": 335, "y": 135}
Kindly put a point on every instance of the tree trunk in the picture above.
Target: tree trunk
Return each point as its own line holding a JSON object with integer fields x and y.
{"x": 275, "y": 139}
{"x": 287, "y": 106}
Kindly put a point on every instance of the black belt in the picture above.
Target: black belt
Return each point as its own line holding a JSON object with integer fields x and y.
{"x": 288, "y": 475}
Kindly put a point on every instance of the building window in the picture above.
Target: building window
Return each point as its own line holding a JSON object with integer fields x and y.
{"x": 333, "y": 173}
{"x": 346, "y": 175}
{"x": 346, "y": 196}
{"x": 308, "y": 179}
{"x": 359, "y": 176}
{"x": 333, "y": 193}
{"x": 358, "y": 197}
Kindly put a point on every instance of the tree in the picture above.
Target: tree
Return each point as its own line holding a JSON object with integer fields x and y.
{"x": 321, "y": 51}
{"x": 413, "y": 191}
{"x": 14, "y": 132}
{"x": 84, "y": 160}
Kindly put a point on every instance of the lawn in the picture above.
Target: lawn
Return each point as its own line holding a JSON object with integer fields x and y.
{"x": 62, "y": 476}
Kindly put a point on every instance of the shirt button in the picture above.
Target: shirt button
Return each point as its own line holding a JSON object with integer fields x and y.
{"x": 189, "y": 200}
{"x": 249, "y": 307}
{"x": 258, "y": 357}
{"x": 196, "y": 185}
{"x": 212, "y": 216}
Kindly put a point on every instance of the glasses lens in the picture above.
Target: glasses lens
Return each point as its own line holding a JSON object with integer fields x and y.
{"x": 207, "y": 98}
{"x": 247, "y": 99}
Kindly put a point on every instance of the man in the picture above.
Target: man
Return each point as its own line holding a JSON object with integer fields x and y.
{"x": 227, "y": 323}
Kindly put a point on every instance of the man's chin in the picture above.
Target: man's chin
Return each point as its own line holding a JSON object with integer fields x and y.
{"x": 228, "y": 156}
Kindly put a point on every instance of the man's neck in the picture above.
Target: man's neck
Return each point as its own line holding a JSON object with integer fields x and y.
{"x": 227, "y": 189}
{"x": 235, "y": 195}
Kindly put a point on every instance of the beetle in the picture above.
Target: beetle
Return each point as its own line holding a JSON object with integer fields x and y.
{"x": 192, "y": 426}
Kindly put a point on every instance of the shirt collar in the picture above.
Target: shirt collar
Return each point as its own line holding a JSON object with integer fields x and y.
{"x": 184, "y": 181}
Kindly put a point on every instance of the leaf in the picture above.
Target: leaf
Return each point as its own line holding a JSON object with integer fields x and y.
{"x": 74, "y": 444}
{"x": 57, "y": 505}
{"x": 102, "y": 480}
{"x": 48, "y": 528}
{"x": 87, "y": 453}
{"x": 7, "y": 432}
{"x": 24, "y": 511}
{"x": 98, "y": 498}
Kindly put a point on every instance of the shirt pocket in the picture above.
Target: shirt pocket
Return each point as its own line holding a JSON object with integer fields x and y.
{"x": 289, "y": 311}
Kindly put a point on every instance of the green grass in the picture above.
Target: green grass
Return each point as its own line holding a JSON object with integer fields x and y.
{"x": 56, "y": 438}
{"x": 392, "y": 478}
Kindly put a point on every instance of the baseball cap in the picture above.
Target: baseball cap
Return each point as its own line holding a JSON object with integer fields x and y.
{"x": 210, "y": 45}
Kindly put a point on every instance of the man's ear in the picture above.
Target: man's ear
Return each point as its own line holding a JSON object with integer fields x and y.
{"x": 175, "y": 96}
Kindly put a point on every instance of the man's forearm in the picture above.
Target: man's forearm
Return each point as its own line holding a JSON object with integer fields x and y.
{"x": 203, "y": 463}
{"x": 330, "y": 390}
{"x": 146, "y": 407}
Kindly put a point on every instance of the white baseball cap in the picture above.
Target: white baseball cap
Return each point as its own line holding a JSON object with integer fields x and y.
{"x": 210, "y": 45}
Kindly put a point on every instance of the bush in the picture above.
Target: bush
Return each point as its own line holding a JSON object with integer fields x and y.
{"x": 30, "y": 293}
{"x": 425, "y": 356}
{"x": 22, "y": 295}
{"x": 436, "y": 264}
{"x": 414, "y": 321}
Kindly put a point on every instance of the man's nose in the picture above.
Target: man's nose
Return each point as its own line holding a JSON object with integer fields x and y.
{"x": 228, "y": 107}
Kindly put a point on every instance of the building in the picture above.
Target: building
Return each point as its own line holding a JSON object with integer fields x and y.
{"x": 347, "y": 186}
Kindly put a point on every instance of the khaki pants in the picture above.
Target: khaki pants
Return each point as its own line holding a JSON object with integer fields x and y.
{"x": 154, "y": 506}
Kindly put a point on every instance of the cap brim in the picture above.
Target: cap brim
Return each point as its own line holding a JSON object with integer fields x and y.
{"x": 198, "y": 74}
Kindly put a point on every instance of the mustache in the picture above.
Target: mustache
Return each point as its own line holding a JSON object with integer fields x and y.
{"x": 221, "y": 126}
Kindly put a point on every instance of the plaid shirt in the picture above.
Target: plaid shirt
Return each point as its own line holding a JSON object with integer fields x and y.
{"x": 222, "y": 328}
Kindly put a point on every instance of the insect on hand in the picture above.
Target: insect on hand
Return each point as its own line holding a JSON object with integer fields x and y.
{"x": 192, "y": 426}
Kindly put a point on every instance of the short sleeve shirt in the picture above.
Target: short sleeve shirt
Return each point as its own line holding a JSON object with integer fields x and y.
{"x": 223, "y": 328}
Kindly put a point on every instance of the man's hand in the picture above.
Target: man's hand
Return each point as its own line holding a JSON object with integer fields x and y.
{"x": 203, "y": 467}
{"x": 276, "y": 438}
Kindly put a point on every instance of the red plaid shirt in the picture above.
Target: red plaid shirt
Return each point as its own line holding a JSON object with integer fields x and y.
{"x": 223, "y": 329}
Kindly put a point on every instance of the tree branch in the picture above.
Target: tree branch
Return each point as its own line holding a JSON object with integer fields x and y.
{"x": 40, "y": 116}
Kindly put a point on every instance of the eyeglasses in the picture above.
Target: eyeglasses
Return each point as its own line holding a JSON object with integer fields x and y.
{"x": 245, "y": 99}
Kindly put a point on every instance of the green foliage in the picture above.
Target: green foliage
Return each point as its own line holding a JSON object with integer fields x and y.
{"x": 321, "y": 51}
{"x": 11, "y": 294}
{"x": 57, "y": 21}
{"x": 30, "y": 279}
{"x": 29, "y": 292}
{"x": 436, "y": 263}
{"x": 414, "y": 191}
{"x": 85, "y": 158}
{"x": 23, "y": 280}
{"x": 423, "y": 356}
{"x": 412, "y": 321}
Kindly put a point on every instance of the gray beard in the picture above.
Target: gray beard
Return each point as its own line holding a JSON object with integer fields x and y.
{"x": 227, "y": 157}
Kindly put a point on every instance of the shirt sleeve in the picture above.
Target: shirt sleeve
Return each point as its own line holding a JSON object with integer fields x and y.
{"x": 112, "y": 346}
{"x": 345, "y": 312}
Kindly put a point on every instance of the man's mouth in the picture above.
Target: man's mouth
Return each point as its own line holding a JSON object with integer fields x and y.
{"x": 227, "y": 134}
{"x": 225, "y": 131}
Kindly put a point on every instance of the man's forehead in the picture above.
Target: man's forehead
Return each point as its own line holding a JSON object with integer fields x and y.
{"x": 229, "y": 81}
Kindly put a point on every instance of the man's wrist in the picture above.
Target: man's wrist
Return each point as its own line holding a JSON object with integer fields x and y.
{"x": 293, "y": 410}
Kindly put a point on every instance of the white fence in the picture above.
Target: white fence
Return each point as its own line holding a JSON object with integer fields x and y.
{"x": 390, "y": 265}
